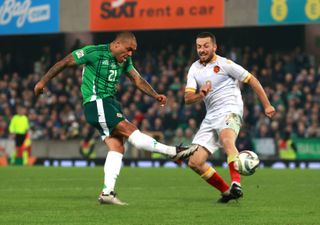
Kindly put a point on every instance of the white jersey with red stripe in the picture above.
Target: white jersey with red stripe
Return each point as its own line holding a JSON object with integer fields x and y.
{"x": 224, "y": 76}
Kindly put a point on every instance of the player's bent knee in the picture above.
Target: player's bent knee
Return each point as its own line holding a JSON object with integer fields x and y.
{"x": 125, "y": 128}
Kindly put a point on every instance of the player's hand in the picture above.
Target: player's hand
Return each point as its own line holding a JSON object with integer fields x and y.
{"x": 38, "y": 89}
{"x": 269, "y": 111}
{"x": 162, "y": 99}
{"x": 205, "y": 89}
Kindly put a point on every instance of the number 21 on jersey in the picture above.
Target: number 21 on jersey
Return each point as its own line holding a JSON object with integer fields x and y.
{"x": 112, "y": 75}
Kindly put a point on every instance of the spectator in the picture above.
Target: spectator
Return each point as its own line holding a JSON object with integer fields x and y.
{"x": 179, "y": 137}
{"x": 19, "y": 126}
{"x": 287, "y": 148}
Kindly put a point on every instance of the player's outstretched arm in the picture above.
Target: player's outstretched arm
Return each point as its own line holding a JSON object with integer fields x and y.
{"x": 145, "y": 87}
{"x": 258, "y": 89}
{"x": 68, "y": 61}
{"x": 191, "y": 97}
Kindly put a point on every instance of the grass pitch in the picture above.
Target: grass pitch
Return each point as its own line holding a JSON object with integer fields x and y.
{"x": 39, "y": 195}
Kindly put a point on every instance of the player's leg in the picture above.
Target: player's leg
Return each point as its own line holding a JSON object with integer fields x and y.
{"x": 113, "y": 122}
{"x": 206, "y": 138}
{"x": 113, "y": 162}
{"x": 145, "y": 142}
{"x": 197, "y": 163}
{"x": 112, "y": 168}
{"x": 227, "y": 136}
{"x": 19, "y": 138}
{"x": 96, "y": 114}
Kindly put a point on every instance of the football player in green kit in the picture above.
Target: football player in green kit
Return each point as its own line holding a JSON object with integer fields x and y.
{"x": 103, "y": 66}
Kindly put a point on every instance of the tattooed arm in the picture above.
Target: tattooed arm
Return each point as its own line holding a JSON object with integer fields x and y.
{"x": 145, "y": 87}
{"x": 68, "y": 61}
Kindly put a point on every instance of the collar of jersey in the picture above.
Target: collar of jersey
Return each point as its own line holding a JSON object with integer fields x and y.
{"x": 214, "y": 58}
{"x": 109, "y": 51}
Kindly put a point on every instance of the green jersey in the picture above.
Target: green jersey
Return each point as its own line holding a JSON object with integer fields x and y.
{"x": 101, "y": 71}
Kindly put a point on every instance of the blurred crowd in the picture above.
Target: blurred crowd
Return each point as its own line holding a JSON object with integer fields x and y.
{"x": 291, "y": 80}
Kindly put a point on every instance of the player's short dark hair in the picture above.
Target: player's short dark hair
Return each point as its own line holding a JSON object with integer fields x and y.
{"x": 207, "y": 34}
{"x": 124, "y": 35}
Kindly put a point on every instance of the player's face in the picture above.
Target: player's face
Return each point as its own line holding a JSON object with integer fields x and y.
{"x": 125, "y": 49}
{"x": 206, "y": 49}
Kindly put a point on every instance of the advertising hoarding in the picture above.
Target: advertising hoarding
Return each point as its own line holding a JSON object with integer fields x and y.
{"x": 114, "y": 15}
{"x": 29, "y": 16}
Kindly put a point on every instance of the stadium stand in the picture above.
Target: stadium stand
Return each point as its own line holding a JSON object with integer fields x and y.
{"x": 290, "y": 76}
{"x": 291, "y": 80}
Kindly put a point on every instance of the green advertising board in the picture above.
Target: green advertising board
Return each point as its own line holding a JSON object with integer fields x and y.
{"x": 307, "y": 148}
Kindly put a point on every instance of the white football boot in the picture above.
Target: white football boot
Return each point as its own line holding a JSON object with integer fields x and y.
{"x": 110, "y": 199}
{"x": 183, "y": 153}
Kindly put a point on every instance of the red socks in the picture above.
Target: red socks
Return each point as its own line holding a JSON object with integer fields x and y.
{"x": 215, "y": 180}
{"x": 234, "y": 174}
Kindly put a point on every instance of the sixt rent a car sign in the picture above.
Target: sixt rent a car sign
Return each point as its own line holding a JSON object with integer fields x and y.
{"x": 112, "y": 15}
{"x": 29, "y": 16}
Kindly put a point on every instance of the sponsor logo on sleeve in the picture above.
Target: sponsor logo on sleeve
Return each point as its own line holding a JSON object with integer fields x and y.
{"x": 80, "y": 54}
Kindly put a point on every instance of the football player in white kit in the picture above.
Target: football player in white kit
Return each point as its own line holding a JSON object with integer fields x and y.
{"x": 215, "y": 80}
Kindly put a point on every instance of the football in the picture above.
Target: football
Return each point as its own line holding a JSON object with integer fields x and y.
{"x": 247, "y": 162}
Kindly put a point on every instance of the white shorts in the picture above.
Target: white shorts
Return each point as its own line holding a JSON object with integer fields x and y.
{"x": 209, "y": 132}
